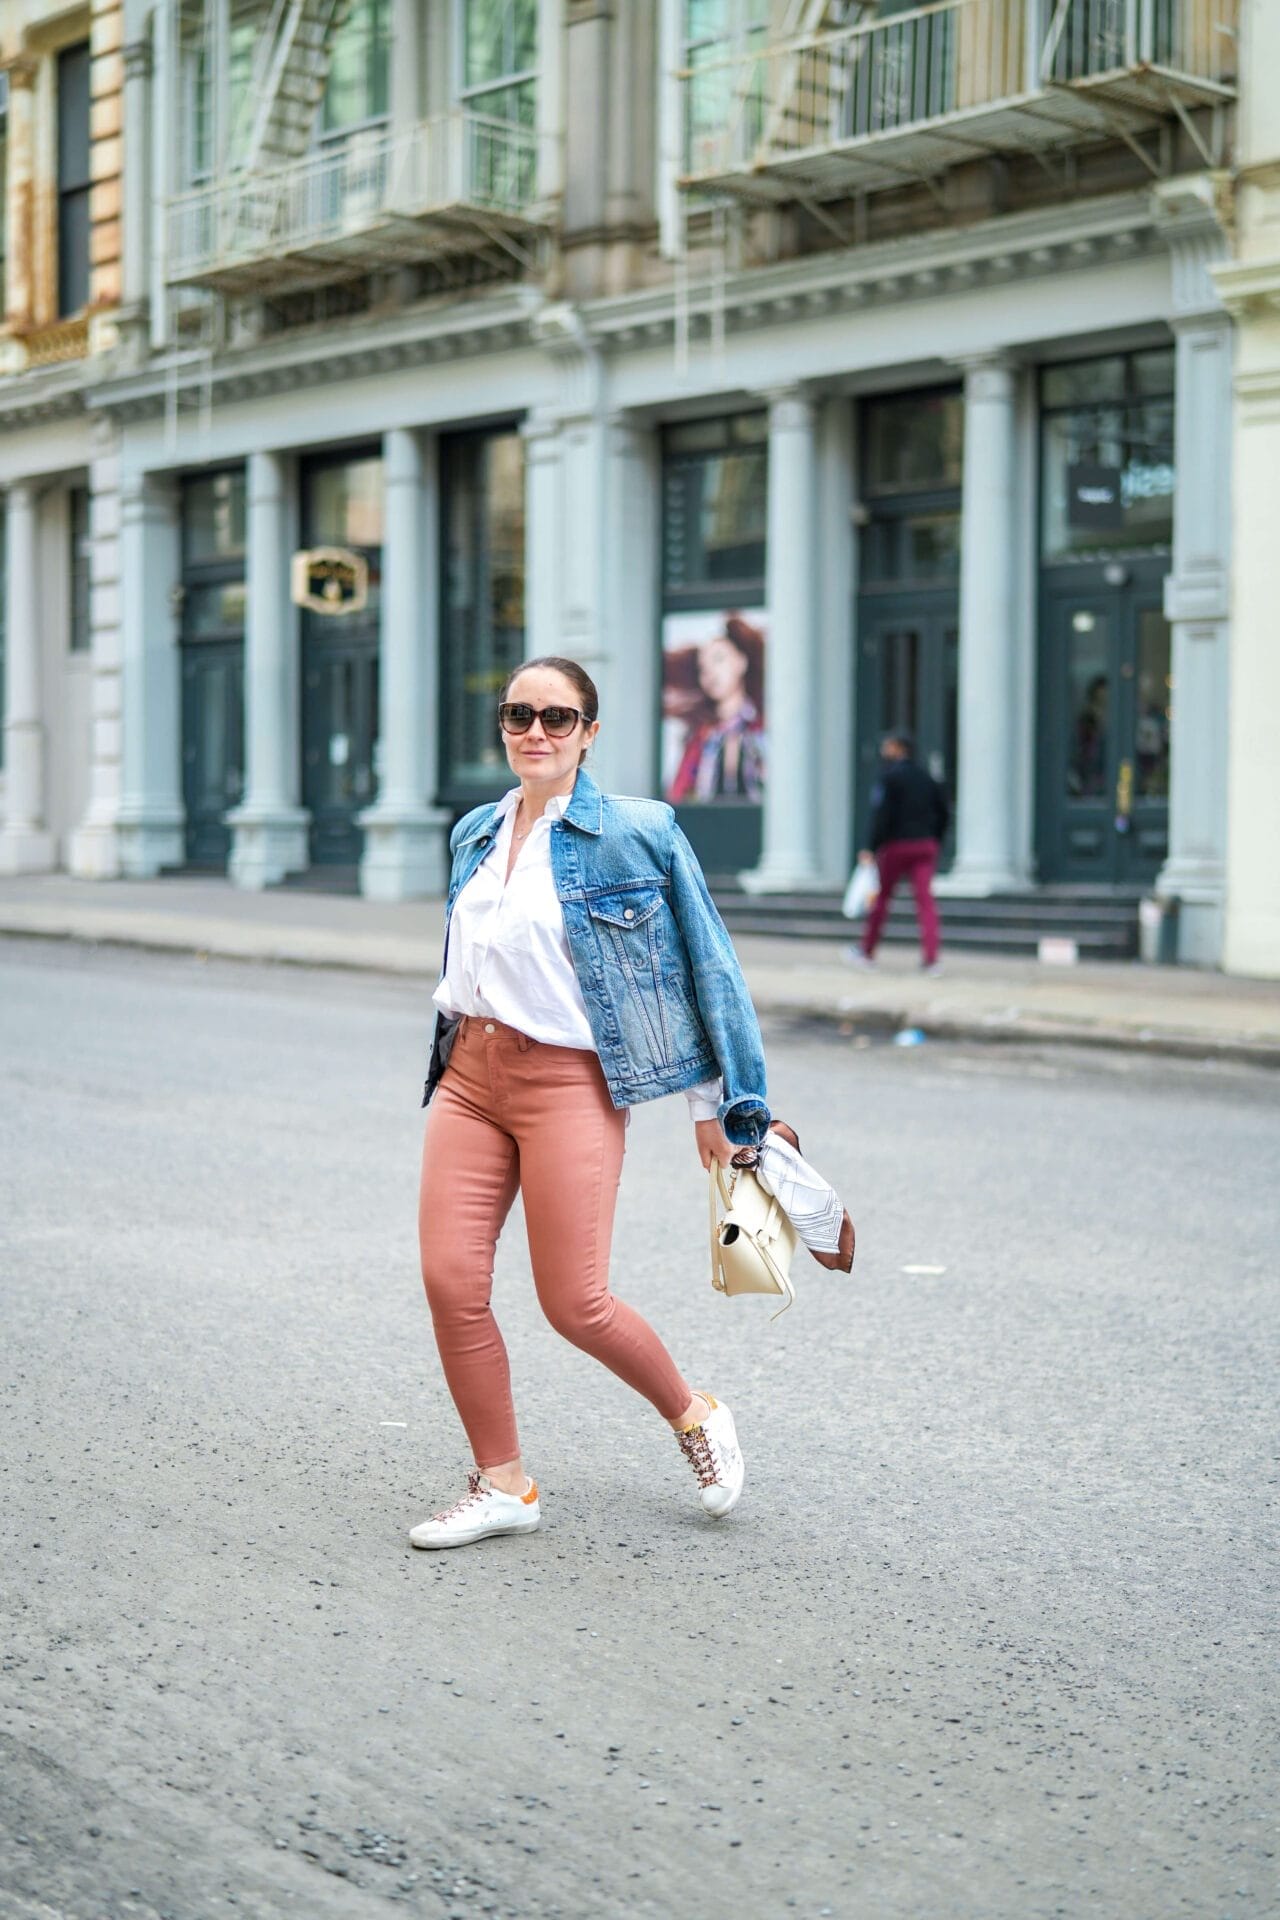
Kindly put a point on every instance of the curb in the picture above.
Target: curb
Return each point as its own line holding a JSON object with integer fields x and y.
{"x": 880, "y": 1022}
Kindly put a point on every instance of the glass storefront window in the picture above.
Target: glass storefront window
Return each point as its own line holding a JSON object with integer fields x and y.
{"x": 213, "y": 518}
{"x": 78, "y": 530}
{"x": 344, "y": 504}
{"x": 1155, "y": 706}
{"x": 914, "y": 442}
{"x": 483, "y": 614}
{"x": 214, "y": 610}
{"x": 715, "y": 504}
{"x": 1088, "y": 704}
{"x": 1108, "y": 472}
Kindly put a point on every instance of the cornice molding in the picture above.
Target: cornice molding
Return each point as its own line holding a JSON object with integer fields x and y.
{"x": 1249, "y": 289}
{"x": 353, "y": 349}
{"x": 1011, "y": 248}
{"x": 31, "y": 399}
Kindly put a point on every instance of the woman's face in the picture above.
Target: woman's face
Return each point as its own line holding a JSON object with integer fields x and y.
{"x": 721, "y": 669}
{"x": 535, "y": 756}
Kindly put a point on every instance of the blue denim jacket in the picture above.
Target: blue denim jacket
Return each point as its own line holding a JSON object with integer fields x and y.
{"x": 663, "y": 989}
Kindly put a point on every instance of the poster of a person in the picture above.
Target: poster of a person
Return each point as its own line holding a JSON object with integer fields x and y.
{"x": 713, "y": 740}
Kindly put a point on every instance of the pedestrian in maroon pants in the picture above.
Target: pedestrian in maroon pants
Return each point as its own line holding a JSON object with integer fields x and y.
{"x": 910, "y": 816}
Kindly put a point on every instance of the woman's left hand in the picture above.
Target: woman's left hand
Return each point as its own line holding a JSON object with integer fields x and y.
{"x": 713, "y": 1143}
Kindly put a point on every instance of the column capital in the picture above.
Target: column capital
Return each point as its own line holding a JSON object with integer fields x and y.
{"x": 791, "y": 409}
{"x": 22, "y": 74}
{"x": 988, "y": 374}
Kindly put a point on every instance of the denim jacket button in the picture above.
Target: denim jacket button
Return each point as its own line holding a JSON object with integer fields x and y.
{"x": 630, "y": 914}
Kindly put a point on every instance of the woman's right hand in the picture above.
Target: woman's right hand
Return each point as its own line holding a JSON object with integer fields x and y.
{"x": 713, "y": 1143}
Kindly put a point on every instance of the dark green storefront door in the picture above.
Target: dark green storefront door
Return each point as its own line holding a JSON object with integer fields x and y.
{"x": 1105, "y": 696}
{"x": 342, "y": 506}
{"x": 339, "y": 735}
{"x": 908, "y": 663}
{"x": 212, "y": 746}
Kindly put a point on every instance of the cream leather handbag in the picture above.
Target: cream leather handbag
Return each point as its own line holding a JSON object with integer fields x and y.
{"x": 752, "y": 1240}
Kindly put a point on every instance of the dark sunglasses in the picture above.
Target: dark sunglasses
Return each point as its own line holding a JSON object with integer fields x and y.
{"x": 514, "y": 716}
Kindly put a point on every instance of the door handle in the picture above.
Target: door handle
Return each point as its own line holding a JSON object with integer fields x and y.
{"x": 1124, "y": 796}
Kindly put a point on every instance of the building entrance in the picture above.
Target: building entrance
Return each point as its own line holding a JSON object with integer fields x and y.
{"x": 908, "y": 612}
{"x": 1105, "y": 703}
{"x": 212, "y": 653}
{"x": 341, "y": 507}
{"x": 1105, "y": 684}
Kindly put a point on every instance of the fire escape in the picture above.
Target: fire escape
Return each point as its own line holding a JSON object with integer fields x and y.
{"x": 851, "y": 101}
{"x": 274, "y": 208}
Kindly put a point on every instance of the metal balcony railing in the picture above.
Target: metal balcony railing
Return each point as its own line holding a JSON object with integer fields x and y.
{"x": 372, "y": 198}
{"x": 901, "y": 98}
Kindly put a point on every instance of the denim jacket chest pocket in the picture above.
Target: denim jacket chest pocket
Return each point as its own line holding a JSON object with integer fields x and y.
{"x": 637, "y": 935}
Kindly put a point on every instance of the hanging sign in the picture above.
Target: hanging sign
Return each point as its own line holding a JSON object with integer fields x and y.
{"x": 329, "y": 580}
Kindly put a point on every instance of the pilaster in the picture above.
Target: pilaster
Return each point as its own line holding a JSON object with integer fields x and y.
{"x": 269, "y": 828}
{"x": 94, "y": 849}
{"x": 405, "y": 836}
{"x": 1197, "y": 590}
{"x": 789, "y": 856}
{"x": 151, "y": 811}
{"x": 987, "y": 811}
{"x": 26, "y": 845}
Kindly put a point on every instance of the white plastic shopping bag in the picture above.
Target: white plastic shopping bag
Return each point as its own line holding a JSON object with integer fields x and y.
{"x": 860, "y": 894}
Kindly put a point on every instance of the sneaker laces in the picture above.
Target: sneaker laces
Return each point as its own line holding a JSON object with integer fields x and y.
{"x": 695, "y": 1445}
{"x": 473, "y": 1493}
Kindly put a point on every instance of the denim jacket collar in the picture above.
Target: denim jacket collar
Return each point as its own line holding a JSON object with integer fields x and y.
{"x": 584, "y": 811}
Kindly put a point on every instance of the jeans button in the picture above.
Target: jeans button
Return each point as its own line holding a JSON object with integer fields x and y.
{"x": 489, "y": 1027}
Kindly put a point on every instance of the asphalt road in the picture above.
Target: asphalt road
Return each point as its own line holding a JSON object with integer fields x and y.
{"x": 991, "y": 1634}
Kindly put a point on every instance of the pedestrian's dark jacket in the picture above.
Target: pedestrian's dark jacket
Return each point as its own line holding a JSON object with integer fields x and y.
{"x": 908, "y": 804}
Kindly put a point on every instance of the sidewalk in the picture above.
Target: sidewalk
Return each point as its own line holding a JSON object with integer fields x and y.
{"x": 979, "y": 996}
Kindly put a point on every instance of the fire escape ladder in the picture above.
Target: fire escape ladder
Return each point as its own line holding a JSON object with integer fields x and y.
{"x": 809, "y": 79}
{"x": 295, "y": 54}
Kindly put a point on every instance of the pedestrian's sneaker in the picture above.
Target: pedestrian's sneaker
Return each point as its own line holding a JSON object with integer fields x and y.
{"x": 713, "y": 1452}
{"x": 856, "y": 957}
{"x": 932, "y": 966}
{"x": 483, "y": 1510}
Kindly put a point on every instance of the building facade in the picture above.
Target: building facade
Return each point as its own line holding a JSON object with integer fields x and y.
{"x": 804, "y": 369}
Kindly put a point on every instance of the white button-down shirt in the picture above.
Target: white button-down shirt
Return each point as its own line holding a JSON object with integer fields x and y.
{"x": 509, "y": 956}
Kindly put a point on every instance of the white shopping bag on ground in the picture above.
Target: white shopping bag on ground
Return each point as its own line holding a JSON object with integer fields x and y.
{"x": 860, "y": 894}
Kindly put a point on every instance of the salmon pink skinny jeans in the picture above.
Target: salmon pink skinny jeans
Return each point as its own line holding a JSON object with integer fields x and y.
{"x": 513, "y": 1114}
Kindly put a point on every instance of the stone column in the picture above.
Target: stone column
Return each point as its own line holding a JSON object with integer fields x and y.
{"x": 629, "y": 675}
{"x": 1197, "y": 591}
{"x": 94, "y": 852}
{"x": 269, "y": 829}
{"x": 20, "y": 167}
{"x": 405, "y": 834}
{"x": 987, "y": 813}
{"x": 790, "y": 856}
{"x": 543, "y": 533}
{"x": 26, "y": 846}
{"x": 151, "y": 811}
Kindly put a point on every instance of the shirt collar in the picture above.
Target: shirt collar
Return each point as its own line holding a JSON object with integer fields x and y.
{"x": 556, "y": 807}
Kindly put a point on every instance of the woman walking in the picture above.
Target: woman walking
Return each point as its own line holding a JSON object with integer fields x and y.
{"x": 585, "y": 970}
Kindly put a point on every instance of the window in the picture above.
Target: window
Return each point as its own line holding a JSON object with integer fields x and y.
{"x": 1107, "y": 459}
{"x": 500, "y": 93}
{"x": 723, "y": 104}
{"x": 914, "y": 442}
{"x": 714, "y": 508}
{"x": 202, "y": 144}
{"x": 357, "y": 89}
{"x": 483, "y": 592}
{"x": 73, "y": 180}
{"x": 79, "y": 555}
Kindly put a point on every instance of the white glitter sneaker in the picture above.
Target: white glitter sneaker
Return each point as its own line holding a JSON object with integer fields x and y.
{"x": 483, "y": 1510}
{"x": 713, "y": 1452}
